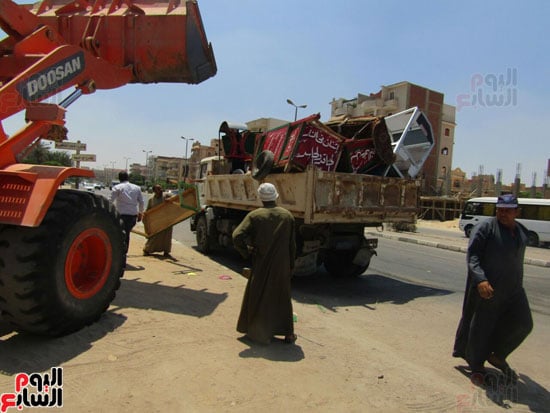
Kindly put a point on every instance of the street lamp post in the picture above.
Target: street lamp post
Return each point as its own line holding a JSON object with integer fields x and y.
{"x": 127, "y": 158}
{"x": 146, "y": 162}
{"x": 112, "y": 170}
{"x": 186, "y": 157}
{"x": 290, "y": 102}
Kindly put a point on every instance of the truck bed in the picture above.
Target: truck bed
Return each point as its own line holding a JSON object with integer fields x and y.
{"x": 322, "y": 197}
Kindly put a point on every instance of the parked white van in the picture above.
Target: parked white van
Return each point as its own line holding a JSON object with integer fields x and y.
{"x": 534, "y": 215}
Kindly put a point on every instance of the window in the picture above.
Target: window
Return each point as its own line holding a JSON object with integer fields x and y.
{"x": 480, "y": 208}
{"x": 537, "y": 212}
{"x": 445, "y": 151}
{"x": 392, "y": 96}
{"x": 447, "y": 132}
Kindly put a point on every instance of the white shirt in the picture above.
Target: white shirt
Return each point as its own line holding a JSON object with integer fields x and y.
{"x": 128, "y": 198}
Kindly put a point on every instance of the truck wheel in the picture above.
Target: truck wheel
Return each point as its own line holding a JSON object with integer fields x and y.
{"x": 61, "y": 276}
{"x": 468, "y": 230}
{"x": 204, "y": 239}
{"x": 339, "y": 264}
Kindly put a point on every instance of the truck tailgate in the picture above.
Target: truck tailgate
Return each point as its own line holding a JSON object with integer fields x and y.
{"x": 323, "y": 197}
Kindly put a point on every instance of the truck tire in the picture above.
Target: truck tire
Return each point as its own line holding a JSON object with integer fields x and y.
{"x": 339, "y": 263}
{"x": 204, "y": 239}
{"x": 62, "y": 275}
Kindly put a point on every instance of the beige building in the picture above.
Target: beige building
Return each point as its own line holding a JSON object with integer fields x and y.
{"x": 403, "y": 95}
{"x": 265, "y": 124}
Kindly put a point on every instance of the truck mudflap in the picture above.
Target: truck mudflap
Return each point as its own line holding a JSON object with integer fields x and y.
{"x": 366, "y": 252}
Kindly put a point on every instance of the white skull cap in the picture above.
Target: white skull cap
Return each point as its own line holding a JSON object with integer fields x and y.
{"x": 267, "y": 192}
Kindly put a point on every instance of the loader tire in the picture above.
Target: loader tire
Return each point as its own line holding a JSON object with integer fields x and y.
{"x": 61, "y": 276}
{"x": 339, "y": 264}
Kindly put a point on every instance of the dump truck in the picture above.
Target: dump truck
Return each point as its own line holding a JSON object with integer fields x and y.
{"x": 336, "y": 179}
{"x": 62, "y": 251}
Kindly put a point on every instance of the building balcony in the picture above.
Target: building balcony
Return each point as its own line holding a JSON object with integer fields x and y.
{"x": 391, "y": 104}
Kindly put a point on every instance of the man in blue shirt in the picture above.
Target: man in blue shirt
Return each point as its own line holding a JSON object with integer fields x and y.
{"x": 496, "y": 317}
{"x": 129, "y": 203}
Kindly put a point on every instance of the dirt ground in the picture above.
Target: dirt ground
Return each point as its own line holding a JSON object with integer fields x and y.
{"x": 168, "y": 344}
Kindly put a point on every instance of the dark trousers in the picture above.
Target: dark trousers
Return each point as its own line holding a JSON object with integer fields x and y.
{"x": 129, "y": 223}
{"x": 498, "y": 326}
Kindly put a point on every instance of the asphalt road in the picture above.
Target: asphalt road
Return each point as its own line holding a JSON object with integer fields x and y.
{"x": 421, "y": 265}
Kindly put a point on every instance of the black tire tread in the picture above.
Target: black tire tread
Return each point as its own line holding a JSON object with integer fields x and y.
{"x": 27, "y": 299}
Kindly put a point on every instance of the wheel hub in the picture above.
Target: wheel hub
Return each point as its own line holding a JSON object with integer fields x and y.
{"x": 88, "y": 263}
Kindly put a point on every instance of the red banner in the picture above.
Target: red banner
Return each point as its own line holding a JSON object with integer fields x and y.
{"x": 317, "y": 147}
{"x": 274, "y": 141}
{"x": 361, "y": 154}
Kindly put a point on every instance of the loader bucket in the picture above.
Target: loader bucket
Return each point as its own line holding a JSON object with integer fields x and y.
{"x": 162, "y": 41}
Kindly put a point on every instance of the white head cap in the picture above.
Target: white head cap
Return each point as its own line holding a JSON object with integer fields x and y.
{"x": 267, "y": 192}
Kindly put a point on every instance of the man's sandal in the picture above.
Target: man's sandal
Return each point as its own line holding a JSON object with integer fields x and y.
{"x": 291, "y": 339}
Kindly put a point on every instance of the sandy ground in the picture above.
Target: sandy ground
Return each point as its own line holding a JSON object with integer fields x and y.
{"x": 168, "y": 344}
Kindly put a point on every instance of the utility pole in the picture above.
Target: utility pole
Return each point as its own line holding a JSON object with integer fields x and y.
{"x": 112, "y": 170}
{"x": 498, "y": 186}
{"x": 534, "y": 186}
{"x": 480, "y": 181}
{"x": 146, "y": 164}
{"x": 517, "y": 181}
{"x": 186, "y": 173}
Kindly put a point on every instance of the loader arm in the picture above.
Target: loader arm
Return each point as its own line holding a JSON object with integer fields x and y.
{"x": 57, "y": 45}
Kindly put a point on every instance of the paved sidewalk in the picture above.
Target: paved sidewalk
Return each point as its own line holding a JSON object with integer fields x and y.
{"x": 533, "y": 256}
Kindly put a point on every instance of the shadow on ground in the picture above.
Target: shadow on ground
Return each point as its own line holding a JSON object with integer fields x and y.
{"x": 135, "y": 293}
{"x": 331, "y": 292}
{"x": 278, "y": 350}
{"x": 28, "y": 353}
{"x": 365, "y": 290}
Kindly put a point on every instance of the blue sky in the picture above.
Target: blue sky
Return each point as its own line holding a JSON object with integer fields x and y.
{"x": 314, "y": 50}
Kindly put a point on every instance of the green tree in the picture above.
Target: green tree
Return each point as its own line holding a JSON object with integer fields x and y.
{"x": 59, "y": 158}
{"x": 41, "y": 155}
{"x": 137, "y": 179}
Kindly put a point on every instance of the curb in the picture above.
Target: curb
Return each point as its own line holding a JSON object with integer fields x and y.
{"x": 445, "y": 246}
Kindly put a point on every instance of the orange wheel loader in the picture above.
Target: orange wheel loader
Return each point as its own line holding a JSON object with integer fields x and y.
{"x": 61, "y": 251}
